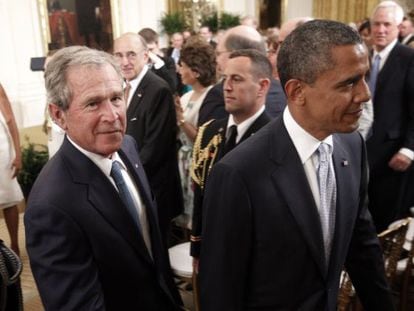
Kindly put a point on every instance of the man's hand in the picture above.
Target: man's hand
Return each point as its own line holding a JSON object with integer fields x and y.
{"x": 399, "y": 162}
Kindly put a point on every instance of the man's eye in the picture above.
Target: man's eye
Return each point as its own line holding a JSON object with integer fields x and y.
{"x": 92, "y": 105}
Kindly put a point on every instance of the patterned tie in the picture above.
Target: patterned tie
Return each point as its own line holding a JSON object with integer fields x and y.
{"x": 327, "y": 195}
{"x": 231, "y": 140}
{"x": 126, "y": 92}
{"x": 374, "y": 74}
{"x": 124, "y": 192}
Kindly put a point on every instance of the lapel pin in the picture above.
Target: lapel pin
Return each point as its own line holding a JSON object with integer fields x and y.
{"x": 344, "y": 163}
{"x": 221, "y": 129}
{"x": 136, "y": 165}
{"x": 139, "y": 95}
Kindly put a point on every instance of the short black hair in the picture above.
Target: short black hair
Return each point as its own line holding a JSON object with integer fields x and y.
{"x": 307, "y": 51}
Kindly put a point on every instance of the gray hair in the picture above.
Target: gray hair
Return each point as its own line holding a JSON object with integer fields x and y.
{"x": 397, "y": 10}
{"x": 57, "y": 88}
{"x": 307, "y": 51}
{"x": 237, "y": 42}
{"x": 261, "y": 66}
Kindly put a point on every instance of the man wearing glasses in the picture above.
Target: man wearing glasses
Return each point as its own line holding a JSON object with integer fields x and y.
{"x": 151, "y": 121}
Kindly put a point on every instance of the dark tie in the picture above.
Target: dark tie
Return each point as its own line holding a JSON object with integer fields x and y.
{"x": 374, "y": 74}
{"x": 327, "y": 195}
{"x": 124, "y": 192}
{"x": 231, "y": 140}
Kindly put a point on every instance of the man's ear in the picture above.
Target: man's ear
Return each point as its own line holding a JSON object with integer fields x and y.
{"x": 264, "y": 87}
{"x": 57, "y": 115}
{"x": 295, "y": 92}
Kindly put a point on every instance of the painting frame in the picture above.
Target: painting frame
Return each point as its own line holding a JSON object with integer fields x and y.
{"x": 47, "y": 35}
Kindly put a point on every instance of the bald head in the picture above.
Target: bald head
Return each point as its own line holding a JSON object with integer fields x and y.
{"x": 238, "y": 38}
{"x": 131, "y": 52}
{"x": 244, "y": 31}
{"x": 290, "y": 25}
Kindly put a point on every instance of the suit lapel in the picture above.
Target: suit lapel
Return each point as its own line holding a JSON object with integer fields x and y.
{"x": 388, "y": 69}
{"x": 104, "y": 198}
{"x": 130, "y": 157}
{"x": 289, "y": 176}
{"x": 137, "y": 97}
{"x": 345, "y": 197}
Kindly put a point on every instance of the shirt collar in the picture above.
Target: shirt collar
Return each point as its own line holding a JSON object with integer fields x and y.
{"x": 104, "y": 163}
{"x": 385, "y": 52}
{"x": 243, "y": 126}
{"x": 304, "y": 142}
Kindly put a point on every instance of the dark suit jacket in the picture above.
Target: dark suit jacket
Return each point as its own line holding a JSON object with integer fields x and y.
{"x": 167, "y": 72}
{"x": 262, "y": 239}
{"x": 393, "y": 128}
{"x": 151, "y": 121}
{"x": 213, "y": 104}
{"x": 85, "y": 250}
{"x": 216, "y": 130}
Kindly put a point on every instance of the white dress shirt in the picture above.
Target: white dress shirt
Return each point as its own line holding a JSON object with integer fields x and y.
{"x": 306, "y": 145}
{"x": 244, "y": 126}
{"x": 134, "y": 84}
{"x": 105, "y": 165}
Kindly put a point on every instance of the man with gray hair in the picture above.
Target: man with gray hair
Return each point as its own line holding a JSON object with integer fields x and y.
{"x": 284, "y": 212}
{"x": 91, "y": 226}
{"x": 391, "y": 144}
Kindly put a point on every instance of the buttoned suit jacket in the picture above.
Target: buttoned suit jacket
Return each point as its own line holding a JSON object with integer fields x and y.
{"x": 214, "y": 128}
{"x": 213, "y": 104}
{"x": 85, "y": 250}
{"x": 151, "y": 120}
{"x": 262, "y": 243}
{"x": 392, "y": 129}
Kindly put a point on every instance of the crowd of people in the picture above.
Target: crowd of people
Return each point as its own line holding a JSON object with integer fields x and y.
{"x": 284, "y": 155}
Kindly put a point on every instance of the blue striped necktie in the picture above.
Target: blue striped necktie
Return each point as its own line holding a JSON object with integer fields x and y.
{"x": 372, "y": 83}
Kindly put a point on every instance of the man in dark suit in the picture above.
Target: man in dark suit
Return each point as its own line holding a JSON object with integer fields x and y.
{"x": 162, "y": 65}
{"x": 391, "y": 145}
{"x": 205, "y": 32}
{"x": 151, "y": 121}
{"x": 239, "y": 37}
{"x": 406, "y": 34}
{"x": 282, "y": 214}
{"x": 92, "y": 235}
{"x": 246, "y": 83}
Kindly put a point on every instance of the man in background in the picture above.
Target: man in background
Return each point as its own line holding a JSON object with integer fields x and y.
{"x": 162, "y": 65}
{"x": 151, "y": 121}
{"x": 237, "y": 38}
{"x": 246, "y": 81}
{"x": 205, "y": 32}
{"x": 407, "y": 32}
{"x": 390, "y": 144}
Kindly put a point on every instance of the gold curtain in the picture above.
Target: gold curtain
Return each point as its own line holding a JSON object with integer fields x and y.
{"x": 343, "y": 11}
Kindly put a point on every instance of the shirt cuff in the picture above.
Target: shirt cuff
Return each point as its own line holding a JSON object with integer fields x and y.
{"x": 407, "y": 152}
